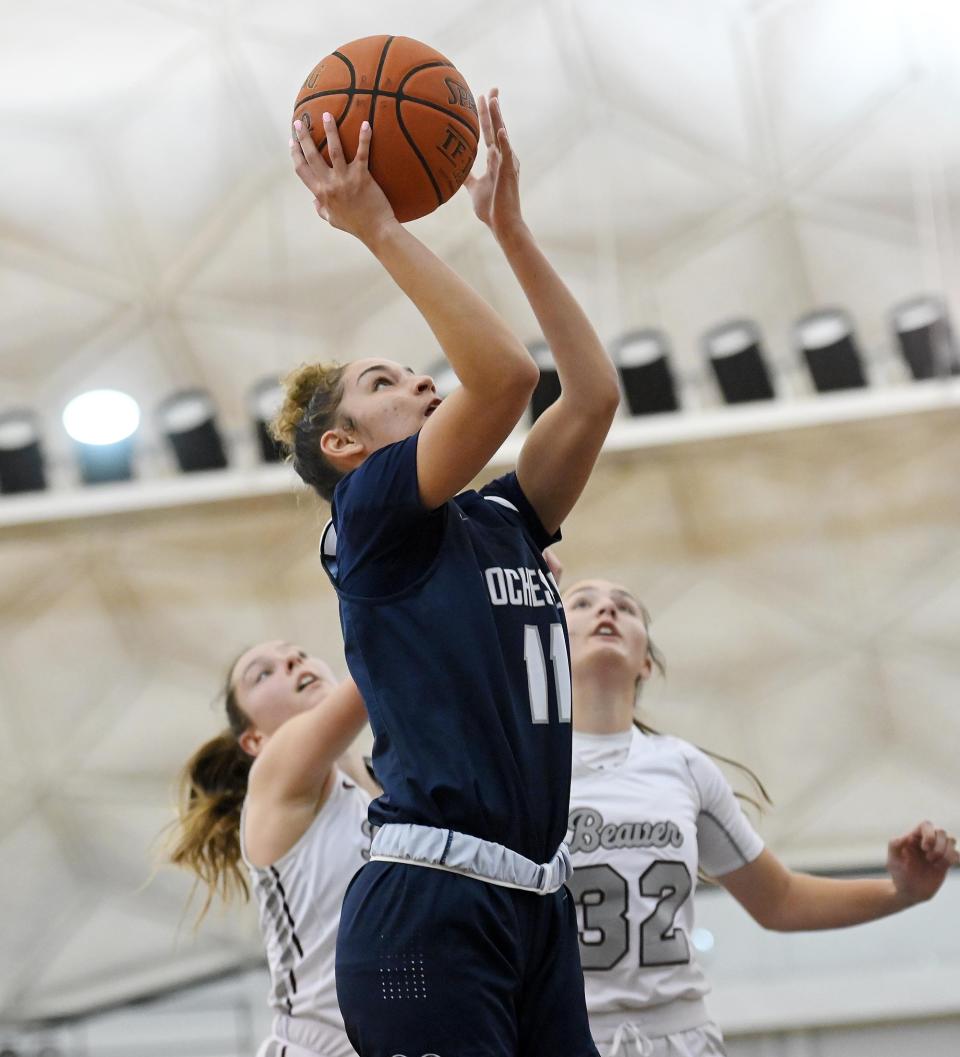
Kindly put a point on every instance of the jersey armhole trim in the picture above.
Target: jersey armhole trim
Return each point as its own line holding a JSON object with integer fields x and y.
{"x": 741, "y": 854}
{"x": 332, "y": 567}
{"x": 503, "y": 502}
{"x": 328, "y": 549}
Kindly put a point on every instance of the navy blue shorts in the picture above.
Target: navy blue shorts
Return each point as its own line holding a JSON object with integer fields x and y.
{"x": 435, "y": 963}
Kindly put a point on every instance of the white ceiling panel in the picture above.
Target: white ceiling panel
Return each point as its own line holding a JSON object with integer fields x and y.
{"x": 827, "y": 64}
{"x": 690, "y": 86}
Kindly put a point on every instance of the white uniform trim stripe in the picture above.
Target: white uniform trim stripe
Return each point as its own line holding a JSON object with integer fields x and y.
{"x": 485, "y": 860}
{"x": 462, "y": 873}
{"x": 328, "y": 548}
{"x": 723, "y": 829}
{"x": 328, "y": 540}
{"x": 503, "y": 502}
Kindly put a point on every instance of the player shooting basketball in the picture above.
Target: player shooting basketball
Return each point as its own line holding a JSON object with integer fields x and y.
{"x": 459, "y": 937}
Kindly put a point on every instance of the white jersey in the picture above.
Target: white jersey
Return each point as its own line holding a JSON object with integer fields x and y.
{"x": 646, "y": 811}
{"x": 299, "y": 898}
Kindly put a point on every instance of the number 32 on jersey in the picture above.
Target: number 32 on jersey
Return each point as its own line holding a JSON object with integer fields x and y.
{"x": 603, "y": 898}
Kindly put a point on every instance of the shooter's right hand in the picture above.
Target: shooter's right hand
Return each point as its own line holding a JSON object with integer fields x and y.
{"x": 345, "y": 194}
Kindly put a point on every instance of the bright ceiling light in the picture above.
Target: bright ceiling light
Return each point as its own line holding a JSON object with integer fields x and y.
{"x": 101, "y": 416}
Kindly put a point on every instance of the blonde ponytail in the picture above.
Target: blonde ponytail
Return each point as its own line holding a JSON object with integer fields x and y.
{"x": 213, "y": 784}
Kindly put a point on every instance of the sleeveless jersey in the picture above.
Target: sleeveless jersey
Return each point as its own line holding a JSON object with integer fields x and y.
{"x": 454, "y": 632}
{"x": 638, "y": 831}
{"x": 299, "y": 898}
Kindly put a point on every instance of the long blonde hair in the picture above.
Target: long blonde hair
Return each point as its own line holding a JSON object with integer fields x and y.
{"x": 212, "y": 787}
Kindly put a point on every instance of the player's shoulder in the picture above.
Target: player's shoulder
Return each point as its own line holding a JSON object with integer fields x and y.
{"x": 499, "y": 496}
{"x": 386, "y": 477}
{"x": 669, "y": 746}
{"x": 342, "y": 812}
{"x": 681, "y": 757}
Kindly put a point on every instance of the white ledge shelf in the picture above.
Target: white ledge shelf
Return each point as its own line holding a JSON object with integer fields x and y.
{"x": 627, "y": 434}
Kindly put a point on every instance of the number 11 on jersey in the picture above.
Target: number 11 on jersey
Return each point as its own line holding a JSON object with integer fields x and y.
{"x": 537, "y": 673}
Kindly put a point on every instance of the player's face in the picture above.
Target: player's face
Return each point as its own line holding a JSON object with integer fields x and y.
{"x": 386, "y": 401}
{"x": 607, "y": 628}
{"x": 275, "y": 681}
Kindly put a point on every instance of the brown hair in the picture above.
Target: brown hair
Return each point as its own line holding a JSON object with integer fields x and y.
{"x": 213, "y": 784}
{"x": 311, "y": 401}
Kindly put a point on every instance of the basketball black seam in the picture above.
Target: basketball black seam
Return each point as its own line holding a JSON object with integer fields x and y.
{"x": 436, "y": 106}
{"x": 377, "y": 90}
{"x": 392, "y": 95}
{"x": 350, "y": 94}
{"x": 353, "y": 72}
{"x": 423, "y": 66}
{"x": 376, "y": 83}
{"x": 416, "y": 150}
{"x": 475, "y": 132}
{"x": 337, "y": 91}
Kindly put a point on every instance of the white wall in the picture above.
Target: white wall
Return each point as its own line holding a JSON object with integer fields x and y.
{"x": 902, "y": 968}
{"x": 940, "y": 1038}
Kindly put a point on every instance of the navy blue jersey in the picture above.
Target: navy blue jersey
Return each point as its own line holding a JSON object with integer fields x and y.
{"x": 455, "y": 635}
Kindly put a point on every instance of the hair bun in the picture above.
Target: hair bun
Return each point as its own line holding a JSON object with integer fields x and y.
{"x": 300, "y": 386}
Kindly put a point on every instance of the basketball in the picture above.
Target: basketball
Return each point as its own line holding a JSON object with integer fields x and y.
{"x": 423, "y": 115}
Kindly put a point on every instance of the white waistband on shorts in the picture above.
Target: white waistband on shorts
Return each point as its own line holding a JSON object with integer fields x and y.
{"x": 682, "y": 1014}
{"x": 445, "y": 849}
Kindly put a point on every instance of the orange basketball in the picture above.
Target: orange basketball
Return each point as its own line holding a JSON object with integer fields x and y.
{"x": 423, "y": 116}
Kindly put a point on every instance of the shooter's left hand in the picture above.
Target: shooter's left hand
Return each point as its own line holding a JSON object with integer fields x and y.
{"x": 496, "y": 194}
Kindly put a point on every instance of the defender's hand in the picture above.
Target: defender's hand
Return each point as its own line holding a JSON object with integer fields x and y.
{"x": 918, "y": 861}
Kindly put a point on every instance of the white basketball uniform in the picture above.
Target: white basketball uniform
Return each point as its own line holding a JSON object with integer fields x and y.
{"x": 299, "y": 899}
{"x": 645, "y": 812}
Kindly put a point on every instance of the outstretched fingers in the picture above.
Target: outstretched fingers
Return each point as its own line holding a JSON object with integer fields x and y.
{"x": 509, "y": 159}
{"x": 363, "y": 145}
{"x": 334, "y": 147}
{"x": 308, "y": 162}
{"x": 486, "y": 124}
{"x": 500, "y": 131}
{"x": 496, "y": 115}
